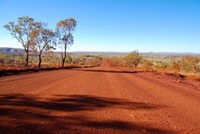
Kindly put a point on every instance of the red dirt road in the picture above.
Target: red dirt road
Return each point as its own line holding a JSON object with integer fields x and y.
{"x": 98, "y": 100}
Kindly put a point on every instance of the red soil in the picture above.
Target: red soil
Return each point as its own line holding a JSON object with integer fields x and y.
{"x": 98, "y": 100}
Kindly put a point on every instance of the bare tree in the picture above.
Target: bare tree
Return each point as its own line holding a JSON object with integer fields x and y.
{"x": 41, "y": 40}
{"x": 21, "y": 31}
{"x": 64, "y": 31}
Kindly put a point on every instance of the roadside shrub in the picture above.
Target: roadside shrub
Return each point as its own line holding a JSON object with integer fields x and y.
{"x": 87, "y": 61}
{"x": 198, "y": 69}
{"x": 82, "y": 61}
{"x": 147, "y": 64}
{"x": 68, "y": 59}
{"x": 97, "y": 60}
{"x": 175, "y": 65}
{"x": 117, "y": 61}
{"x": 92, "y": 60}
{"x": 161, "y": 65}
{"x": 133, "y": 59}
{"x": 189, "y": 64}
{"x": 7, "y": 58}
{"x": 75, "y": 60}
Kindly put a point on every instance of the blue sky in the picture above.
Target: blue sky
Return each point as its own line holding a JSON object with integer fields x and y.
{"x": 114, "y": 25}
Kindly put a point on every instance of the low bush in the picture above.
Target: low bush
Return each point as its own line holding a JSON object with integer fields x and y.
{"x": 133, "y": 59}
{"x": 116, "y": 61}
{"x": 189, "y": 64}
{"x": 147, "y": 64}
{"x": 175, "y": 65}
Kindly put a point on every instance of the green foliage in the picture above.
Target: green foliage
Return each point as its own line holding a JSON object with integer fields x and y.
{"x": 35, "y": 37}
{"x": 41, "y": 40}
{"x": 161, "y": 65}
{"x": 64, "y": 29}
{"x": 82, "y": 61}
{"x": 10, "y": 59}
{"x": 186, "y": 64}
{"x": 116, "y": 61}
{"x": 189, "y": 64}
{"x": 95, "y": 60}
{"x": 7, "y": 58}
{"x": 21, "y": 32}
{"x": 85, "y": 60}
{"x": 133, "y": 59}
{"x": 198, "y": 68}
{"x": 175, "y": 65}
{"x": 147, "y": 64}
{"x": 68, "y": 59}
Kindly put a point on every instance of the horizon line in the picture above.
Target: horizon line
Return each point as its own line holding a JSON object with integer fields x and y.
{"x": 115, "y": 51}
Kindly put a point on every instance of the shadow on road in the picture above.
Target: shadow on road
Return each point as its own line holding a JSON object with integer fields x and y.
{"x": 28, "y": 71}
{"x": 108, "y": 71}
{"x": 64, "y": 114}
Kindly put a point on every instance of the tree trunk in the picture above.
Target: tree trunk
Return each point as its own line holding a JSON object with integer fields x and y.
{"x": 27, "y": 56}
{"x": 40, "y": 60}
{"x": 64, "y": 56}
{"x": 63, "y": 59}
{"x": 63, "y": 62}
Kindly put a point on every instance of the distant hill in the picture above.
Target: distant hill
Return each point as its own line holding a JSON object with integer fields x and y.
{"x": 16, "y": 51}
{"x": 11, "y": 50}
{"x": 148, "y": 55}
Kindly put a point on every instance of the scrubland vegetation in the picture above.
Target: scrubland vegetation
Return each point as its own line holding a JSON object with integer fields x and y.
{"x": 186, "y": 65}
{"x": 49, "y": 60}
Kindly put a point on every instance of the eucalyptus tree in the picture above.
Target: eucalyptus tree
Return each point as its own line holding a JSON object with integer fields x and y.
{"x": 21, "y": 31}
{"x": 64, "y": 29}
{"x": 133, "y": 59}
{"x": 41, "y": 40}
